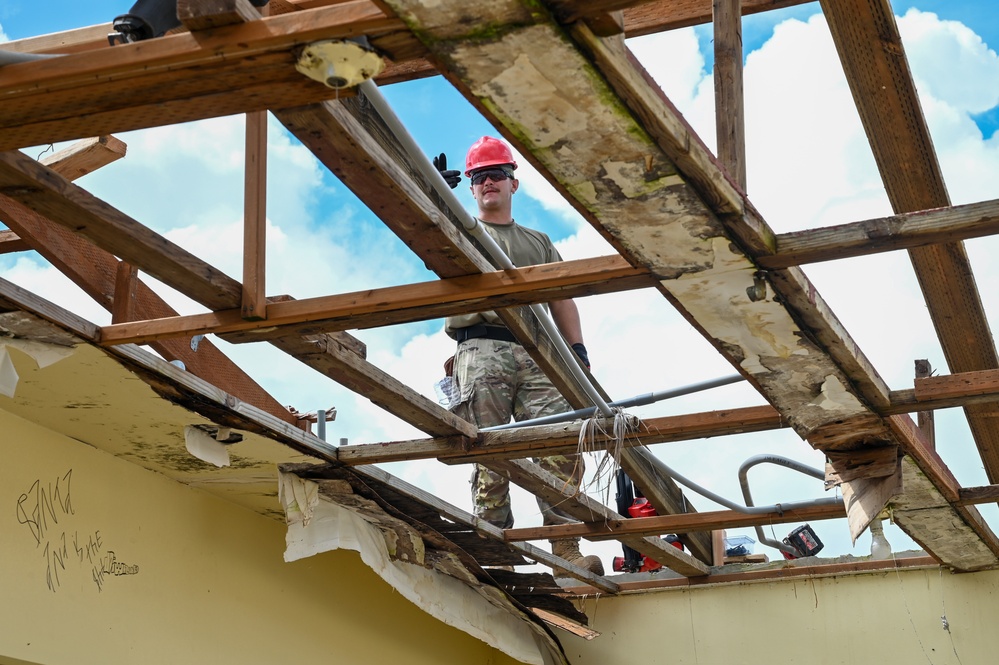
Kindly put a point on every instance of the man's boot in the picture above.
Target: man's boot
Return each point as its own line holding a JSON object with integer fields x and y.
{"x": 568, "y": 549}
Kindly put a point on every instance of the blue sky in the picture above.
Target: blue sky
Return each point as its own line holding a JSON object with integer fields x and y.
{"x": 809, "y": 166}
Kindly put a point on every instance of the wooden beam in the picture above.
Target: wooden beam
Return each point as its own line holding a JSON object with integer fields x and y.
{"x": 397, "y": 304}
{"x": 95, "y": 271}
{"x": 730, "y": 124}
{"x": 232, "y": 69}
{"x": 328, "y": 354}
{"x": 254, "y": 297}
{"x": 539, "y": 482}
{"x": 871, "y": 50}
{"x": 691, "y": 523}
{"x": 642, "y": 17}
{"x": 126, "y": 287}
{"x": 42, "y": 190}
{"x": 975, "y": 495}
{"x": 207, "y": 14}
{"x": 984, "y": 382}
{"x": 86, "y": 156}
{"x": 924, "y": 419}
{"x": 885, "y": 234}
{"x": 563, "y": 439}
{"x": 11, "y": 242}
{"x": 330, "y": 357}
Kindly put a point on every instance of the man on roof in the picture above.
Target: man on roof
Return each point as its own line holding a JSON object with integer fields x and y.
{"x": 495, "y": 376}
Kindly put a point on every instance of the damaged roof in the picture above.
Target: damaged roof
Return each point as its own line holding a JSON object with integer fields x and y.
{"x": 558, "y": 81}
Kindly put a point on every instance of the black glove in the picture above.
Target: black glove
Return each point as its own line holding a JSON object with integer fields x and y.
{"x": 581, "y": 352}
{"x": 452, "y": 177}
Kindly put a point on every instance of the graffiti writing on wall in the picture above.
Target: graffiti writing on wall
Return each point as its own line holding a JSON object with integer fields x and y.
{"x": 49, "y": 518}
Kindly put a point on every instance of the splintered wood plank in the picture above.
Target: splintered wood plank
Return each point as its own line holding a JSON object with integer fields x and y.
{"x": 594, "y": 124}
{"x": 877, "y": 70}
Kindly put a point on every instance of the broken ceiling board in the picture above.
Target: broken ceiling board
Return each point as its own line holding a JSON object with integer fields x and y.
{"x": 433, "y": 516}
{"x": 176, "y": 78}
{"x": 98, "y": 400}
{"x": 877, "y": 70}
{"x": 327, "y": 515}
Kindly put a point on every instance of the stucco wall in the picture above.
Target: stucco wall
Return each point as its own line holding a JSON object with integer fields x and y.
{"x": 105, "y": 562}
{"x": 885, "y": 618}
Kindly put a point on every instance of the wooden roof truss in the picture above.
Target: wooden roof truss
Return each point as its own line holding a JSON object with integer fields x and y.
{"x": 620, "y": 154}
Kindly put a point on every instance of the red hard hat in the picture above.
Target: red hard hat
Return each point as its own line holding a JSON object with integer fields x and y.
{"x": 488, "y": 151}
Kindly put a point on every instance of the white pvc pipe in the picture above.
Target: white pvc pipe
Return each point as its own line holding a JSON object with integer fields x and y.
{"x": 473, "y": 226}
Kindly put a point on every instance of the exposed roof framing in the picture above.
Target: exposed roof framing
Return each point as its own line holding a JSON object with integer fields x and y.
{"x": 558, "y": 81}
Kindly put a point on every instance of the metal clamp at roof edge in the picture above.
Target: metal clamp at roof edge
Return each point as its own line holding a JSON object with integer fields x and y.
{"x": 473, "y": 226}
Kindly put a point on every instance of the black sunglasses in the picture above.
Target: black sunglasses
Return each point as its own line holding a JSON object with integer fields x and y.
{"x": 496, "y": 175}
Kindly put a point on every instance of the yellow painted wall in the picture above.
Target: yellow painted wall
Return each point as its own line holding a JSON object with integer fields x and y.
{"x": 104, "y": 562}
{"x": 890, "y": 618}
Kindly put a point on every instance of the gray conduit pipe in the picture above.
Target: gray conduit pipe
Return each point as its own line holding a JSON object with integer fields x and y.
{"x": 749, "y": 510}
{"x": 13, "y": 57}
{"x": 638, "y": 400}
{"x": 472, "y": 225}
{"x": 782, "y": 461}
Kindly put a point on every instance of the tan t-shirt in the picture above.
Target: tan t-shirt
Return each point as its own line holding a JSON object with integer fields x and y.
{"x": 525, "y": 247}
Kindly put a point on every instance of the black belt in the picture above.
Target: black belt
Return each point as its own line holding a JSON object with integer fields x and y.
{"x": 477, "y": 331}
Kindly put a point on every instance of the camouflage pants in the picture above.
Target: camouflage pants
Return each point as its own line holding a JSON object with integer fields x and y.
{"x": 498, "y": 380}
